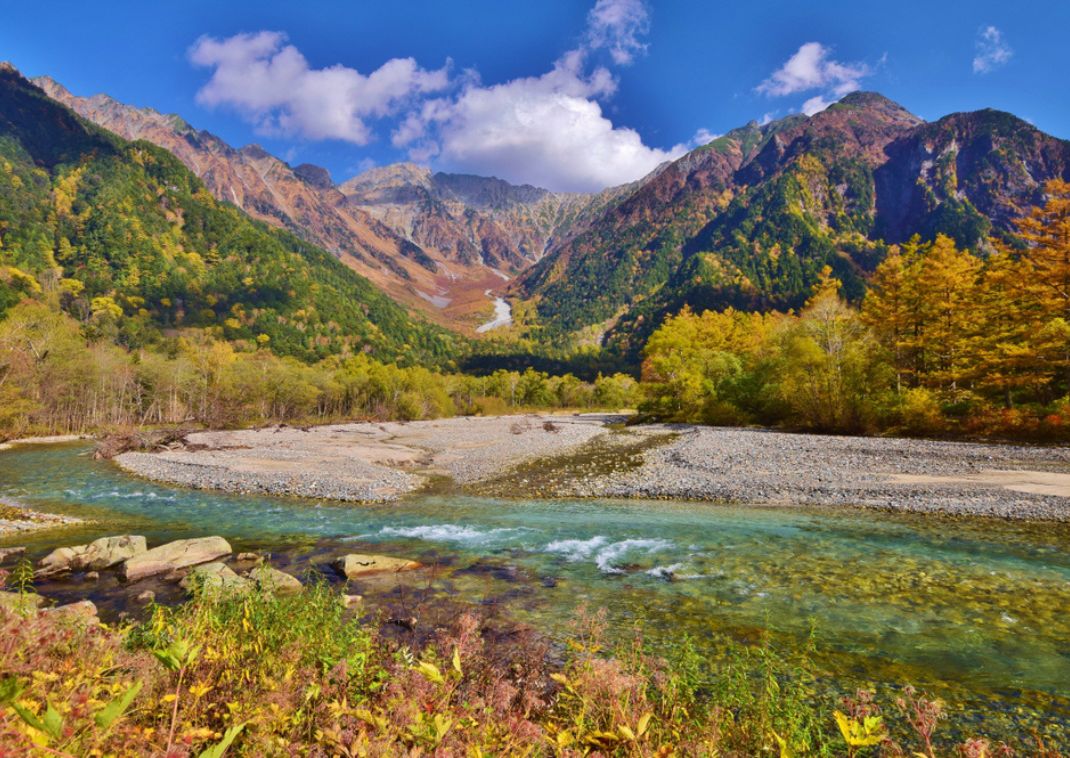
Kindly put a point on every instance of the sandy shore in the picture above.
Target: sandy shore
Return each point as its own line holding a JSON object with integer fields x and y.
{"x": 591, "y": 456}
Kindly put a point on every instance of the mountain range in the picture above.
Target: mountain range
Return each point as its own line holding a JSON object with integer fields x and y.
{"x": 749, "y": 219}
{"x": 436, "y": 242}
{"x": 122, "y": 235}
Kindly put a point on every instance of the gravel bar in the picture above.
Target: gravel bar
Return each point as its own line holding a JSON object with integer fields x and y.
{"x": 380, "y": 462}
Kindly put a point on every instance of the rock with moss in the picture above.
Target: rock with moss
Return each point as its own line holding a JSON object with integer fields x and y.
{"x": 84, "y": 611}
{"x": 271, "y": 580}
{"x": 23, "y": 603}
{"x": 216, "y": 577}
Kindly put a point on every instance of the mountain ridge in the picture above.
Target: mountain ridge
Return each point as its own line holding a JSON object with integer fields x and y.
{"x": 748, "y": 219}
{"x": 446, "y": 285}
{"x": 751, "y": 218}
{"x": 125, "y": 237}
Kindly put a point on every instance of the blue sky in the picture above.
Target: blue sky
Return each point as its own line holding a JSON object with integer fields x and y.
{"x": 566, "y": 94}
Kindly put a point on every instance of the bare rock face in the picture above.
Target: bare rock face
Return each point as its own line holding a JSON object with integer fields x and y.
{"x": 175, "y": 555}
{"x": 357, "y": 565}
{"x": 99, "y": 554}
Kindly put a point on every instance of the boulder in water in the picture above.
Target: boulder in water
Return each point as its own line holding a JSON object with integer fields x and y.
{"x": 84, "y": 611}
{"x": 98, "y": 554}
{"x": 175, "y": 555}
{"x": 357, "y": 565}
{"x": 271, "y": 580}
{"x": 215, "y": 576}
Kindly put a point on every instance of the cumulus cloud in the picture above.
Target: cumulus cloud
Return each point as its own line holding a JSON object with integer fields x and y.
{"x": 617, "y": 26}
{"x": 990, "y": 50}
{"x": 271, "y": 83}
{"x": 702, "y": 137}
{"x": 547, "y": 130}
{"x": 815, "y": 104}
{"x": 550, "y": 130}
{"x": 812, "y": 68}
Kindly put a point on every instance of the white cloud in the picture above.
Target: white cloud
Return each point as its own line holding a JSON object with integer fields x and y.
{"x": 702, "y": 137}
{"x": 617, "y": 25}
{"x": 811, "y": 68}
{"x": 815, "y": 104}
{"x": 548, "y": 130}
{"x": 991, "y": 50}
{"x": 270, "y": 83}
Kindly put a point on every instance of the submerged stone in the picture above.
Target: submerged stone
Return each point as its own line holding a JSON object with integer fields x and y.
{"x": 358, "y": 564}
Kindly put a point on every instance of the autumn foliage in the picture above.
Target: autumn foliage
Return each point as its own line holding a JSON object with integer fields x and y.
{"x": 946, "y": 340}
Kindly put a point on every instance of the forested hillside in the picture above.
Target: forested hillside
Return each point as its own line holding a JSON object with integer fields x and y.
{"x": 126, "y": 240}
{"x": 751, "y": 219}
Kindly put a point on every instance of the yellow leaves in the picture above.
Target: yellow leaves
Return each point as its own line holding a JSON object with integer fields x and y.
{"x": 198, "y": 734}
{"x": 105, "y": 307}
{"x": 430, "y": 672}
{"x": 864, "y": 732}
{"x": 457, "y": 661}
{"x": 200, "y": 689}
{"x": 785, "y": 748}
{"x": 19, "y": 279}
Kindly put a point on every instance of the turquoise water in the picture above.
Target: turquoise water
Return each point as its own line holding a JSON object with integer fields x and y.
{"x": 975, "y": 610}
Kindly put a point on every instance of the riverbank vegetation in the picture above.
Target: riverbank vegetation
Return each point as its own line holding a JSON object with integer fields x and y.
{"x": 255, "y": 674}
{"x": 55, "y": 377}
{"x": 945, "y": 342}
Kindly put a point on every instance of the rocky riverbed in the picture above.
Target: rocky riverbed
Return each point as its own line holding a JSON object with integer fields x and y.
{"x": 15, "y": 517}
{"x": 594, "y": 455}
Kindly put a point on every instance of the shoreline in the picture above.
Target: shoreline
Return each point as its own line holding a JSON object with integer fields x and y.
{"x": 592, "y": 456}
{"x": 55, "y": 439}
{"x": 16, "y": 518}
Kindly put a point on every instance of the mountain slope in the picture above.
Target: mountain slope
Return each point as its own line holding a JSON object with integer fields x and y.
{"x": 470, "y": 219}
{"x": 129, "y": 240}
{"x": 435, "y": 242}
{"x": 751, "y": 219}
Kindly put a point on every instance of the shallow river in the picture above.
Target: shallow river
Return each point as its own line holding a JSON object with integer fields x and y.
{"x": 976, "y": 611}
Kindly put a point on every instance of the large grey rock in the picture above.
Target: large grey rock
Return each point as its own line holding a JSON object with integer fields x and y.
{"x": 174, "y": 555}
{"x": 215, "y": 577}
{"x": 271, "y": 580}
{"x": 98, "y": 554}
{"x": 357, "y": 565}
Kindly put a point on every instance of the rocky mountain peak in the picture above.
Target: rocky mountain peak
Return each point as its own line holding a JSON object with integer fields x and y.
{"x": 315, "y": 175}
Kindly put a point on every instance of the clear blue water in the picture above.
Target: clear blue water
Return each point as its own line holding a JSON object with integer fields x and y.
{"x": 978, "y": 611}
